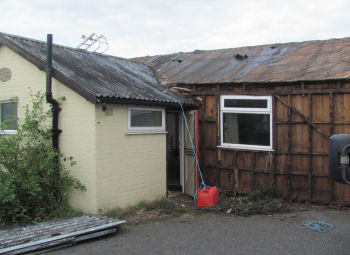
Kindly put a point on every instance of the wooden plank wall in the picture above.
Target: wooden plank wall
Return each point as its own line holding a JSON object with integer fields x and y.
{"x": 304, "y": 116}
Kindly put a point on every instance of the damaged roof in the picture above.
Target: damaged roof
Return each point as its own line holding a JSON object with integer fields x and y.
{"x": 98, "y": 77}
{"x": 287, "y": 62}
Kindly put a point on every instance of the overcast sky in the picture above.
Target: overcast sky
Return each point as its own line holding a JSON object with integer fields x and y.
{"x": 150, "y": 27}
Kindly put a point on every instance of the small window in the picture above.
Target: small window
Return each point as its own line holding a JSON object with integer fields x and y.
{"x": 8, "y": 117}
{"x": 246, "y": 122}
{"x": 146, "y": 119}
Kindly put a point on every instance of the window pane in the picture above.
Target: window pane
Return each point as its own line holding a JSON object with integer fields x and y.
{"x": 8, "y": 116}
{"x": 146, "y": 118}
{"x": 244, "y": 128}
{"x": 245, "y": 103}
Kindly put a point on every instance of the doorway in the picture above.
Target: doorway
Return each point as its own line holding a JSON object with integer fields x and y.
{"x": 174, "y": 182}
{"x": 181, "y": 164}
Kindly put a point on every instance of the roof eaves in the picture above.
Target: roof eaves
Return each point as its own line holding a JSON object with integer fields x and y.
{"x": 259, "y": 82}
{"x": 130, "y": 101}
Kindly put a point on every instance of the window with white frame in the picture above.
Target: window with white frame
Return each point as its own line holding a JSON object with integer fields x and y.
{"x": 142, "y": 119}
{"x": 246, "y": 122}
{"x": 8, "y": 117}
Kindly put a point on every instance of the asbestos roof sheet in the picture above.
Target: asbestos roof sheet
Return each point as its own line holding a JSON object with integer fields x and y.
{"x": 98, "y": 77}
{"x": 287, "y": 62}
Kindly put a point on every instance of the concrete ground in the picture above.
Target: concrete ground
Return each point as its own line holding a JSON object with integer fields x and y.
{"x": 221, "y": 234}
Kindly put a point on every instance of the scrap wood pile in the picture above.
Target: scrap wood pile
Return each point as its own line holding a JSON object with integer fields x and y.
{"x": 258, "y": 202}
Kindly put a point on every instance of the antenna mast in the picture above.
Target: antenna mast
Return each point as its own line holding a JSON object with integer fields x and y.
{"x": 94, "y": 42}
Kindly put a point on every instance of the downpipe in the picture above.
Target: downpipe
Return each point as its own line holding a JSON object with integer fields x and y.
{"x": 49, "y": 98}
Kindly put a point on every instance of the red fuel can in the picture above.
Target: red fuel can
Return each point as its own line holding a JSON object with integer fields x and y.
{"x": 207, "y": 197}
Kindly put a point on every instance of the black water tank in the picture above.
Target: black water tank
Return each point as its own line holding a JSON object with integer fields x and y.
{"x": 336, "y": 144}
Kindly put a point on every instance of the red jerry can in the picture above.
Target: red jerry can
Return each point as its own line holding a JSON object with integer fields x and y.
{"x": 207, "y": 197}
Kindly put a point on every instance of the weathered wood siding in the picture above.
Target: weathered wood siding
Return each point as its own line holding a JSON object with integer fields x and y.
{"x": 305, "y": 114}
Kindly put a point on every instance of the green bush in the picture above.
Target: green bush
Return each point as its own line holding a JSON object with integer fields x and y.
{"x": 34, "y": 179}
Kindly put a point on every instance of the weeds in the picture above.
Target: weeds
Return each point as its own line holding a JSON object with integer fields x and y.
{"x": 114, "y": 213}
{"x": 253, "y": 203}
{"x": 65, "y": 211}
{"x": 145, "y": 211}
{"x": 258, "y": 202}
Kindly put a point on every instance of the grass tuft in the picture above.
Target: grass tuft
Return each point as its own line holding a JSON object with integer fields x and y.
{"x": 259, "y": 202}
{"x": 65, "y": 211}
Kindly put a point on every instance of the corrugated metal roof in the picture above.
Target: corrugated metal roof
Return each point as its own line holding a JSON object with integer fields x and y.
{"x": 98, "y": 77}
{"x": 287, "y": 62}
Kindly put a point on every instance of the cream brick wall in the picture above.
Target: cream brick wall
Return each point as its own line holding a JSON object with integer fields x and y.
{"x": 77, "y": 121}
{"x": 130, "y": 168}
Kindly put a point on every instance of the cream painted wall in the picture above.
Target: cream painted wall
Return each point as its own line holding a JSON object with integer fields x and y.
{"x": 130, "y": 168}
{"x": 117, "y": 169}
{"x": 77, "y": 121}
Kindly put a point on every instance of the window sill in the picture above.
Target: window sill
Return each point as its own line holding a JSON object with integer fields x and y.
{"x": 8, "y": 132}
{"x": 147, "y": 132}
{"x": 244, "y": 148}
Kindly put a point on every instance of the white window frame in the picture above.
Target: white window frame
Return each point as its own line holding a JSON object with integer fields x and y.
{"x": 8, "y": 131}
{"x": 267, "y": 110}
{"x": 146, "y": 130}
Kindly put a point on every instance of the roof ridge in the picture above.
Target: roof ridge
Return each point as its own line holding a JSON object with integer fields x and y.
{"x": 241, "y": 47}
{"x": 71, "y": 48}
{"x": 56, "y": 45}
{"x": 39, "y": 41}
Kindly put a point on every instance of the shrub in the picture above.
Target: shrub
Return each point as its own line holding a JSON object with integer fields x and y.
{"x": 34, "y": 179}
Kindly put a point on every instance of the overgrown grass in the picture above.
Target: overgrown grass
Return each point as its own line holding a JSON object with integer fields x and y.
{"x": 254, "y": 203}
{"x": 160, "y": 207}
{"x": 65, "y": 211}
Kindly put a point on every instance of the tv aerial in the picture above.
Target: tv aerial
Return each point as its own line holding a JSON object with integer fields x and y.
{"x": 94, "y": 43}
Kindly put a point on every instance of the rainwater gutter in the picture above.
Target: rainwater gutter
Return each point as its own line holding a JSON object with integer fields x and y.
{"x": 49, "y": 99}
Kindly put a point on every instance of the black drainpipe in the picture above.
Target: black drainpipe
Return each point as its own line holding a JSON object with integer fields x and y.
{"x": 49, "y": 99}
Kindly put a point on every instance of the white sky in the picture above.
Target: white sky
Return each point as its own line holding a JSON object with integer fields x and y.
{"x": 150, "y": 27}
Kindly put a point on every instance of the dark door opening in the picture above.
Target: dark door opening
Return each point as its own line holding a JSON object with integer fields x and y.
{"x": 173, "y": 152}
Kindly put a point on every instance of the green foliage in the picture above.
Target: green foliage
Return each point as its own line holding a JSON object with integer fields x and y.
{"x": 161, "y": 206}
{"x": 34, "y": 180}
{"x": 141, "y": 204}
{"x": 65, "y": 211}
{"x": 114, "y": 213}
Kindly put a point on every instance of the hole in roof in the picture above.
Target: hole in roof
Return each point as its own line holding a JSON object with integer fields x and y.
{"x": 177, "y": 60}
{"x": 240, "y": 56}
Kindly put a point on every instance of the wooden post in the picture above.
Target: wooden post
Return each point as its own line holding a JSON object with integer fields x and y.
{"x": 289, "y": 147}
{"x": 201, "y": 141}
{"x": 236, "y": 172}
{"x": 331, "y": 119}
{"x": 310, "y": 148}
{"x": 274, "y": 141}
{"x": 253, "y": 171}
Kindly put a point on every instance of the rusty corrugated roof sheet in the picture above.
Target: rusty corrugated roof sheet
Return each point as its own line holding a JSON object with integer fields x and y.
{"x": 98, "y": 77}
{"x": 287, "y": 62}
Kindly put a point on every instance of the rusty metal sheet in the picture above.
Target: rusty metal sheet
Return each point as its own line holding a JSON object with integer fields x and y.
{"x": 285, "y": 62}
